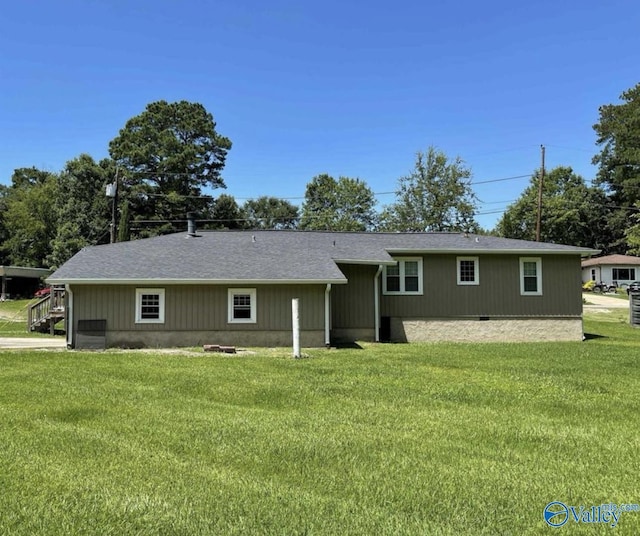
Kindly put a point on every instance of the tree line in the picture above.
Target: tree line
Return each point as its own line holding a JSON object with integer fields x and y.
{"x": 163, "y": 161}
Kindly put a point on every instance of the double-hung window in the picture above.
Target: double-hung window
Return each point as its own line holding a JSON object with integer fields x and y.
{"x": 242, "y": 305}
{"x": 149, "y": 306}
{"x": 468, "y": 271}
{"x": 531, "y": 276}
{"x": 405, "y": 277}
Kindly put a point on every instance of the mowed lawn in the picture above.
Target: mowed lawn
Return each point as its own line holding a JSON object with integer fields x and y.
{"x": 387, "y": 439}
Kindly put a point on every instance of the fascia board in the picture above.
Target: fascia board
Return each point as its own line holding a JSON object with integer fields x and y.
{"x": 388, "y": 262}
{"x": 476, "y": 251}
{"x": 165, "y": 281}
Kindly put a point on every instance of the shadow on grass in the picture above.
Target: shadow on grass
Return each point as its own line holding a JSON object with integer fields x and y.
{"x": 347, "y": 346}
{"x": 592, "y": 336}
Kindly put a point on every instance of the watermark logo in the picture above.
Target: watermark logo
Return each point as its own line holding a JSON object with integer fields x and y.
{"x": 556, "y": 513}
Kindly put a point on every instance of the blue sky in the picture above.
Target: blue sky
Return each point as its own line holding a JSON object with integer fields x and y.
{"x": 349, "y": 88}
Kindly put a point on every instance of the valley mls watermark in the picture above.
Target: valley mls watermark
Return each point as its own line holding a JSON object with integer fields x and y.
{"x": 556, "y": 513}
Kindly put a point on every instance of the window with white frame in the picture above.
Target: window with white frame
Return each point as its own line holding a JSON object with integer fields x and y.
{"x": 468, "y": 271}
{"x": 531, "y": 276}
{"x": 149, "y": 306}
{"x": 242, "y": 305}
{"x": 405, "y": 277}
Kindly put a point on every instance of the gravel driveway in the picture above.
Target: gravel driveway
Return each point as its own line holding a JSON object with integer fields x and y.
{"x": 599, "y": 302}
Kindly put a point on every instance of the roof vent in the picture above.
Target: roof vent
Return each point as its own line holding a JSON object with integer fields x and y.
{"x": 477, "y": 239}
{"x": 191, "y": 225}
{"x": 253, "y": 238}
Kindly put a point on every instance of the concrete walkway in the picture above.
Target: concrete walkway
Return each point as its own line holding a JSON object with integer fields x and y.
{"x": 7, "y": 343}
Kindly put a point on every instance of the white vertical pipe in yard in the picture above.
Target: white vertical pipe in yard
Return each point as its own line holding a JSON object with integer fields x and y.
{"x": 295, "y": 316}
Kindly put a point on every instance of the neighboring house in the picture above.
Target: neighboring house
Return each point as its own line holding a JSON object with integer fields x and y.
{"x": 236, "y": 288}
{"x": 20, "y": 281}
{"x": 617, "y": 269}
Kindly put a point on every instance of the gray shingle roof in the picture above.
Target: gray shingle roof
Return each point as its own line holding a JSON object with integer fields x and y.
{"x": 277, "y": 256}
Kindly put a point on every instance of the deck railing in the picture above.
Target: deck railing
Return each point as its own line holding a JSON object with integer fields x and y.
{"x": 47, "y": 309}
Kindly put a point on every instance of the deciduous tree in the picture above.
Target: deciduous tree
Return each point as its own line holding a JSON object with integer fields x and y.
{"x": 82, "y": 207}
{"x": 270, "y": 213}
{"x": 435, "y": 196}
{"x": 343, "y": 205}
{"x": 572, "y": 212}
{"x": 30, "y": 218}
{"x": 226, "y": 213}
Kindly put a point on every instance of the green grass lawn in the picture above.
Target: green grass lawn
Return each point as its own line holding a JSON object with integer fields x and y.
{"x": 388, "y": 439}
{"x": 13, "y": 319}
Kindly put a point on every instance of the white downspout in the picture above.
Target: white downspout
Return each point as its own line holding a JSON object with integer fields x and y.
{"x": 327, "y": 315}
{"x": 68, "y": 324}
{"x": 376, "y": 304}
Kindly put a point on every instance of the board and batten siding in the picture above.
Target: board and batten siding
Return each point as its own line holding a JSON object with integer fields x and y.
{"x": 199, "y": 307}
{"x": 497, "y": 295}
{"x": 352, "y": 305}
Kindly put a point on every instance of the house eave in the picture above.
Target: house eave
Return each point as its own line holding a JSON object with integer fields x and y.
{"x": 502, "y": 251}
{"x": 386, "y": 262}
{"x": 181, "y": 281}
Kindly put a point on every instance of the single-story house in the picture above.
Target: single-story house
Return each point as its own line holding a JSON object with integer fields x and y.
{"x": 236, "y": 288}
{"x": 20, "y": 281}
{"x": 617, "y": 269}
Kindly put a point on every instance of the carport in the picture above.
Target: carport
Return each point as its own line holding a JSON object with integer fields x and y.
{"x": 20, "y": 281}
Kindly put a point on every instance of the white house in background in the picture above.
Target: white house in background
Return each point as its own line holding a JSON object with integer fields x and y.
{"x": 620, "y": 269}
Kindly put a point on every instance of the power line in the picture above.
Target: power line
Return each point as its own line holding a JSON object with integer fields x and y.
{"x": 582, "y": 150}
{"x": 501, "y": 180}
{"x": 506, "y": 202}
{"x": 294, "y": 198}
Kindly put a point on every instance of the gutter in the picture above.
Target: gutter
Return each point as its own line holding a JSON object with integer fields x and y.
{"x": 376, "y": 304}
{"x": 178, "y": 281}
{"x": 327, "y": 316}
{"x": 586, "y": 252}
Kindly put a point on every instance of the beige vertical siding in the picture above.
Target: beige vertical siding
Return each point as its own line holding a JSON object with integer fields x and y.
{"x": 352, "y": 305}
{"x": 199, "y": 307}
{"x": 498, "y": 293}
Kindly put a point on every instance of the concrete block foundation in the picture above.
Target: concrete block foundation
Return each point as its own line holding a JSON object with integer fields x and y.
{"x": 176, "y": 339}
{"x": 491, "y": 330}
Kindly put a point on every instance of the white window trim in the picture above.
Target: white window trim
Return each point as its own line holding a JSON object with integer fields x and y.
{"x": 538, "y": 261}
{"x": 139, "y": 293}
{"x": 476, "y": 270}
{"x": 252, "y": 294}
{"x": 402, "y": 291}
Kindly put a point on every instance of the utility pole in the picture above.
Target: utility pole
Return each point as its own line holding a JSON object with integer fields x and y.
{"x": 540, "y": 186}
{"x": 112, "y": 191}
